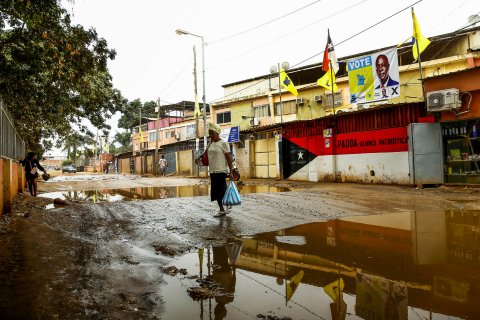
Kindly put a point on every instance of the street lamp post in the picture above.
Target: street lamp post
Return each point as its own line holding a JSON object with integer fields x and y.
{"x": 155, "y": 162}
{"x": 183, "y": 32}
{"x": 141, "y": 138}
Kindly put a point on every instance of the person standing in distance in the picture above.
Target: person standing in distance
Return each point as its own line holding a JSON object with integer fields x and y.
{"x": 162, "y": 165}
{"x": 382, "y": 67}
{"x": 220, "y": 166}
{"x": 32, "y": 166}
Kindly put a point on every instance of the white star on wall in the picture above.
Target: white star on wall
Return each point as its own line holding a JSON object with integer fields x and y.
{"x": 300, "y": 155}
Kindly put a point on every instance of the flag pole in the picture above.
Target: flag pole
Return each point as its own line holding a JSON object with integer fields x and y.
{"x": 141, "y": 138}
{"x": 157, "y": 124}
{"x": 280, "y": 93}
{"x": 333, "y": 93}
{"x": 418, "y": 58}
{"x": 331, "y": 71}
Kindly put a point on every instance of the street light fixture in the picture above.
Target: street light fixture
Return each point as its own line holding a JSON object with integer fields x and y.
{"x": 183, "y": 32}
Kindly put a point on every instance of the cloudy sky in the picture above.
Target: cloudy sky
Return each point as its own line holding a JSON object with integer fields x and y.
{"x": 245, "y": 38}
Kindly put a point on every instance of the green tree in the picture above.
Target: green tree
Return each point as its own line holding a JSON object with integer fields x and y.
{"x": 53, "y": 74}
{"x": 74, "y": 142}
{"x": 131, "y": 113}
{"x": 124, "y": 139}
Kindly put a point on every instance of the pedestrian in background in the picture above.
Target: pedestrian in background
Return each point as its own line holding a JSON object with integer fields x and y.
{"x": 162, "y": 165}
{"x": 220, "y": 166}
{"x": 32, "y": 166}
{"x": 132, "y": 165}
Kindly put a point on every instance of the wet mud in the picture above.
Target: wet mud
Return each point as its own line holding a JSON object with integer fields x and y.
{"x": 110, "y": 260}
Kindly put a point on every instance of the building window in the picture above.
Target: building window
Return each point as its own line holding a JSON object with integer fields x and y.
{"x": 191, "y": 131}
{"x": 288, "y": 107}
{"x": 261, "y": 111}
{"x": 167, "y": 134}
{"x": 153, "y": 135}
{"x": 224, "y": 117}
{"x": 327, "y": 101}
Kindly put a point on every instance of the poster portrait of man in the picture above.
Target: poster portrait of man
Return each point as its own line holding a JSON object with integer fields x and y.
{"x": 382, "y": 69}
{"x": 374, "y": 77}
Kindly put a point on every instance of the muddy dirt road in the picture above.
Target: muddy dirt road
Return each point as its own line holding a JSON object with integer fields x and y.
{"x": 98, "y": 254}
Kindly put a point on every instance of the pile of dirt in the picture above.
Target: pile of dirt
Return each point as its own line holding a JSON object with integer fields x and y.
{"x": 26, "y": 205}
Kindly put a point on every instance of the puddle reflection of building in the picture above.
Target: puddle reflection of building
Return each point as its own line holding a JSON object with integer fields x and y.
{"x": 419, "y": 249}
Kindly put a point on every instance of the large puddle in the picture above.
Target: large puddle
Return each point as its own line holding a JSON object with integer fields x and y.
{"x": 149, "y": 193}
{"x": 415, "y": 265}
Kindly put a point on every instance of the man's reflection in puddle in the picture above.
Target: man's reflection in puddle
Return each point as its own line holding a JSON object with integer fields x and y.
{"x": 225, "y": 276}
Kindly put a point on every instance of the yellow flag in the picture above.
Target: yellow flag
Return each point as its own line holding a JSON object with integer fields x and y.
{"x": 418, "y": 38}
{"x": 287, "y": 83}
{"x": 293, "y": 285}
{"x": 335, "y": 289}
{"x": 197, "y": 108}
{"x": 327, "y": 80}
{"x": 141, "y": 134}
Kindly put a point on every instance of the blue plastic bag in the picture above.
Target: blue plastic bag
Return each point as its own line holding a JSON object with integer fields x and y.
{"x": 232, "y": 196}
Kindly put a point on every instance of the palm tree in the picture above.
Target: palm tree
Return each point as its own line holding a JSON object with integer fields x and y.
{"x": 124, "y": 139}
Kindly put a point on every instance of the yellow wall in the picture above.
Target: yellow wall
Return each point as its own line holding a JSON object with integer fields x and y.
{"x": 185, "y": 163}
{"x": 2, "y": 210}
{"x": 125, "y": 166}
{"x": 239, "y": 109}
{"x": 12, "y": 180}
{"x": 20, "y": 178}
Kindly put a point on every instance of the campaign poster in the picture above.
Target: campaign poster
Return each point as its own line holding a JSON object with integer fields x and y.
{"x": 380, "y": 298}
{"x": 374, "y": 77}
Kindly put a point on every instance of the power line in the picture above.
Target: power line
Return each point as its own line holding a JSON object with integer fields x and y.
{"x": 339, "y": 43}
{"x": 360, "y": 32}
{"x": 264, "y": 24}
{"x": 288, "y": 34}
{"x": 267, "y": 43}
{"x": 273, "y": 290}
{"x": 176, "y": 77}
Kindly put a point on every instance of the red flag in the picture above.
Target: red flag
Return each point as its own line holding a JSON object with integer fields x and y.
{"x": 329, "y": 56}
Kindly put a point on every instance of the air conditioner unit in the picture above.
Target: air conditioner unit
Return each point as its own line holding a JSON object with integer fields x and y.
{"x": 254, "y": 122}
{"x": 300, "y": 101}
{"x": 318, "y": 99}
{"x": 443, "y": 100}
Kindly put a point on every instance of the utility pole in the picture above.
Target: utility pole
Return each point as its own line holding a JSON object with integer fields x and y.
{"x": 157, "y": 124}
{"x": 141, "y": 138}
{"x": 197, "y": 131}
{"x": 95, "y": 153}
